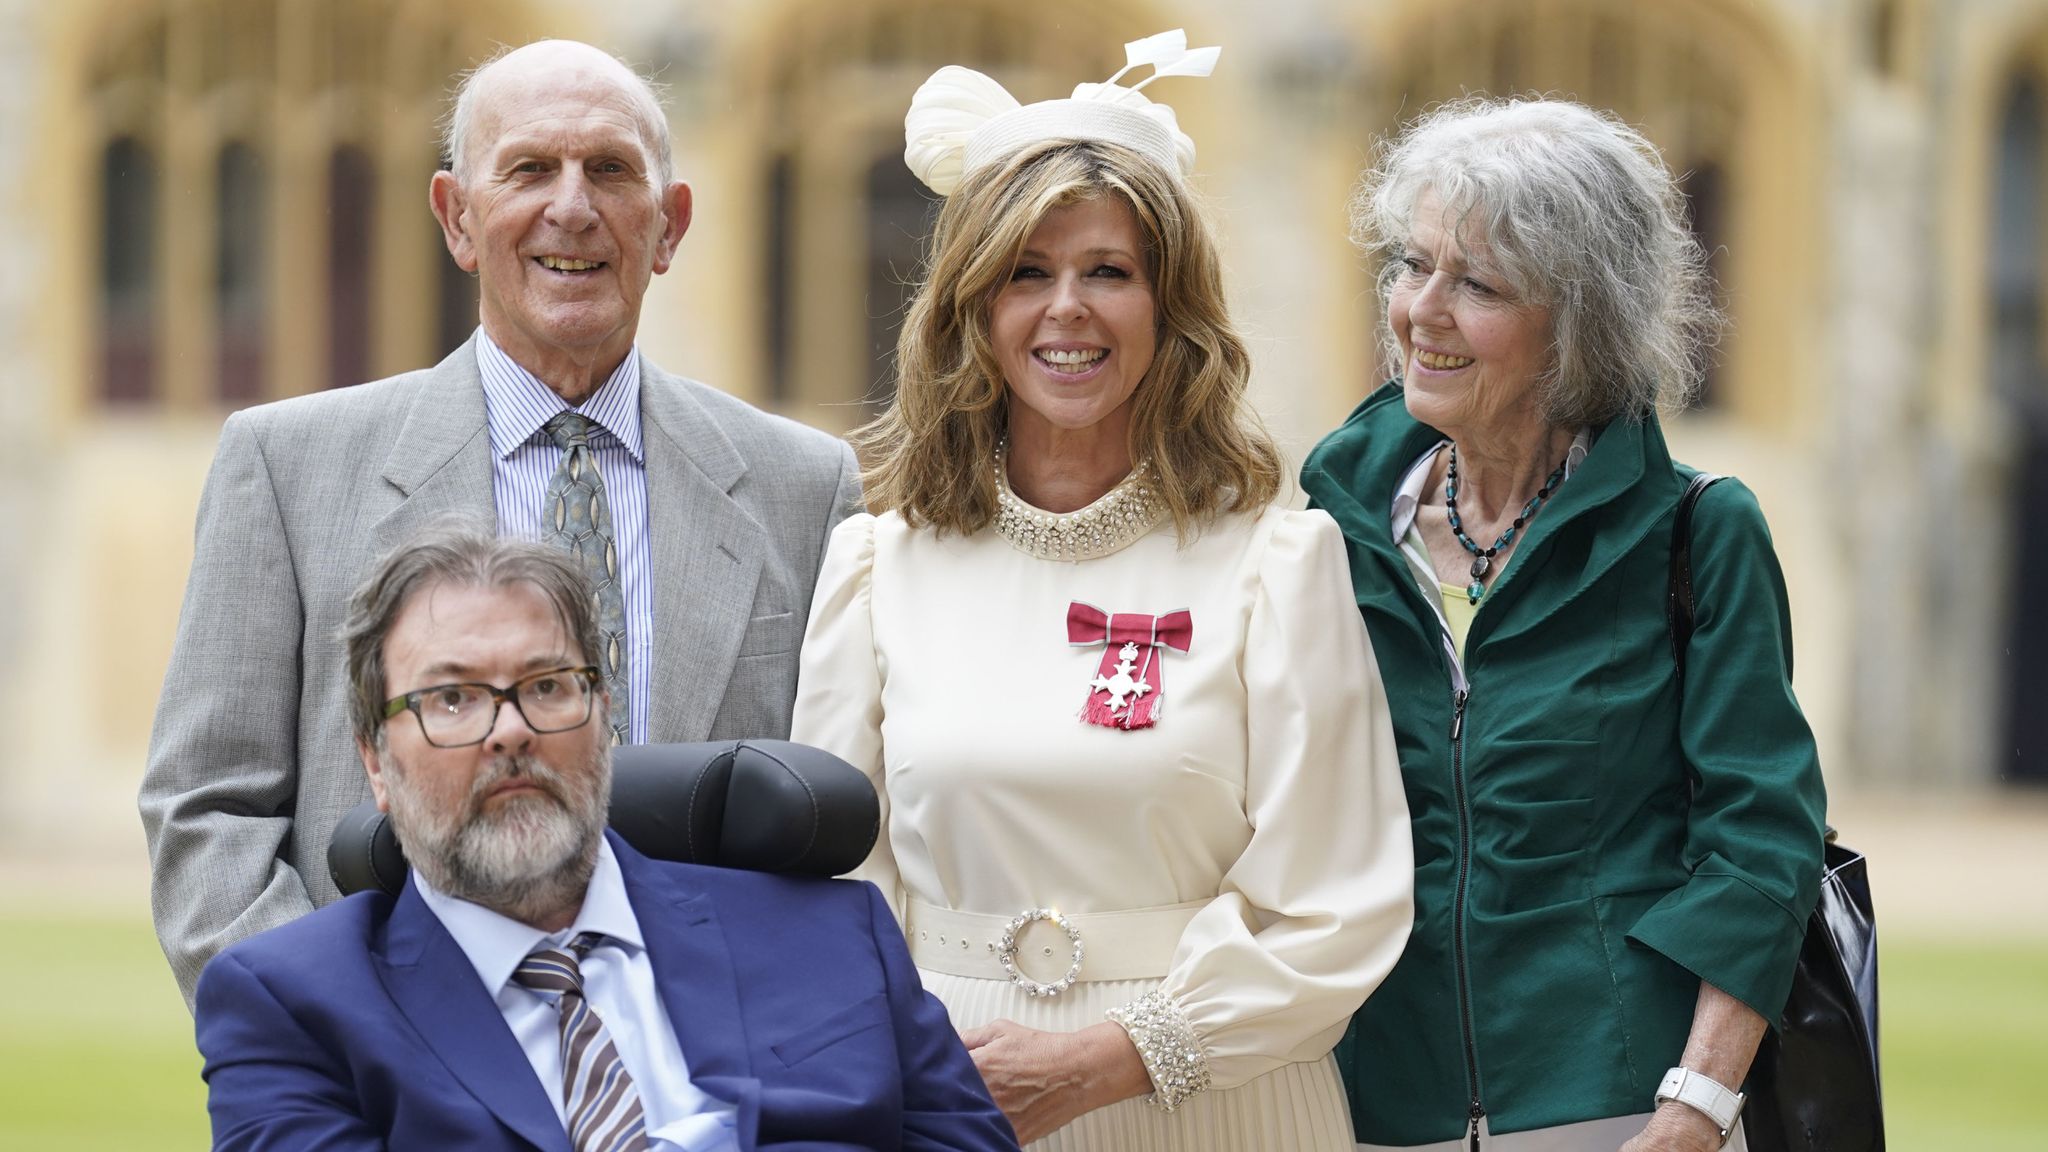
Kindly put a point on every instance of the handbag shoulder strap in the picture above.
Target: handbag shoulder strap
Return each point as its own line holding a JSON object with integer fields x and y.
{"x": 1678, "y": 606}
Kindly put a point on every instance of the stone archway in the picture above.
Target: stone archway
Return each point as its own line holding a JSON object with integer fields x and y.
{"x": 1710, "y": 84}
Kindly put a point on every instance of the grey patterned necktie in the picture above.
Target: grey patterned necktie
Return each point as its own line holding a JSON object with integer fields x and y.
{"x": 579, "y": 521}
{"x": 600, "y": 1104}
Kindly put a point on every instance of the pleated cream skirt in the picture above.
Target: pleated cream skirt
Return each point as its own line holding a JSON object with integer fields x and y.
{"x": 1299, "y": 1107}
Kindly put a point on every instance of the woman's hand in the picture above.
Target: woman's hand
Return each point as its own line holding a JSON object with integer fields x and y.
{"x": 1043, "y": 1080}
{"x": 1725, "y": 1034}
{"x": 1676, "y": 1127}
{"x": 1723, "y": 1040}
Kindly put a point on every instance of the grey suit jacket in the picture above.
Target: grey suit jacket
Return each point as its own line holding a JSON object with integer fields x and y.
{"x": 251, "y": 762}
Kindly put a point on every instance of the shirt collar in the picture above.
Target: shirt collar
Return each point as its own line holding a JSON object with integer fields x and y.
{"x": 495, "y": 944}
{"x": 1408, "y": 497}
{"x": 517, "y": 404}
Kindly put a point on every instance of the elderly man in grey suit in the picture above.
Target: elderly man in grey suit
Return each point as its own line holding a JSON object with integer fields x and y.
{"x": 701, "y": 520}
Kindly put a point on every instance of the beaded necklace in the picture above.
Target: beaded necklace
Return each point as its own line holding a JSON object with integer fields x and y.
{"x": 1121, "y": 515}
{"x": 1482, "y": 558}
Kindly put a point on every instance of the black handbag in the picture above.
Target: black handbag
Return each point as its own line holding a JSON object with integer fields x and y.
{"x": 1814, "y": 1084}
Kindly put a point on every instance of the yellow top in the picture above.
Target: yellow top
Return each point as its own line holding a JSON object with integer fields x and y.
{"x": 1458, "y": 608}
{"x": 1458, "y": 612}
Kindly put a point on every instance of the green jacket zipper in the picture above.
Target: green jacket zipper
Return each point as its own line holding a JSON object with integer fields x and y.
{"x": 1478, "y": 1109}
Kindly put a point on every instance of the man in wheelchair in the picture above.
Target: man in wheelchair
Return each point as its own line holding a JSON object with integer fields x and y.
{"x": 537, "y": 982}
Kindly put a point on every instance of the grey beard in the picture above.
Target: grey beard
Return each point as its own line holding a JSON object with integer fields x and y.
{"x": 530, "y": 858}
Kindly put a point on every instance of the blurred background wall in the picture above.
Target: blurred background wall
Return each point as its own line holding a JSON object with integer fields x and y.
{"x": 215, "y": 203}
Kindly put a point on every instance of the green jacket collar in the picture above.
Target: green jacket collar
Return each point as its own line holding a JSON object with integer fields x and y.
{"x": 1628, "y": 479}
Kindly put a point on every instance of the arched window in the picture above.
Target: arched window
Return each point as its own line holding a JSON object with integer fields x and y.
{"x": 2015, "y": 254}
{"x": 128, "y": 261}
{"x": 457, "y": 302}
{"x": 251, "y": 158}
{"x": 351, "y": 256}
{"x": 1655, "y": 70}
{"x": 780, "y": 305}
{"x": 2019, "y": 379}
{"x": 1707, "y": 209}
{"x": 1882, "y": 38}
{"x": 900, "y": 214}
{"x": 241, "y": 232}
{"x": 842, "y": 219}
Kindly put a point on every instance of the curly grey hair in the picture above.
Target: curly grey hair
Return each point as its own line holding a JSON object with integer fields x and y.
{"x": 1582, "y": 217}
{"x": 458, "y": 124}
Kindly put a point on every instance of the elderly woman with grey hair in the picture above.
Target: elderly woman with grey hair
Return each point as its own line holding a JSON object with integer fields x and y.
{"x": 1615, "y": 857}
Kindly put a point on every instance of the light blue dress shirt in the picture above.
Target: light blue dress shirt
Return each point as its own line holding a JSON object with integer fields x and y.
{"x": 618, "y": 983}
{"x": 524, "y": 458}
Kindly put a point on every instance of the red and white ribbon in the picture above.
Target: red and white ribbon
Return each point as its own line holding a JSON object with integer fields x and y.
{"x": 1127, "y": 687}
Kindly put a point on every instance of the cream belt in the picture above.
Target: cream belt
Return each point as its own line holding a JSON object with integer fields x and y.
{"x": 1044, "y": 951}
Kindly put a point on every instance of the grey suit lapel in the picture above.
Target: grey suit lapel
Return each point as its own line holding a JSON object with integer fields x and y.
{"x": 706, "y": 554}
{"x": 440, "y": 461}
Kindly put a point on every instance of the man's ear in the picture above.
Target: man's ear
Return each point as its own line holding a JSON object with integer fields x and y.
{"x": 675, "y": 207}
{"x": 451, "y": 209}
{"x": 374, "y": 765}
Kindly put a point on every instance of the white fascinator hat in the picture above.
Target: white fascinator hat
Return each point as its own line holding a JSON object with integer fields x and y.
{"x": 960, "y": 120}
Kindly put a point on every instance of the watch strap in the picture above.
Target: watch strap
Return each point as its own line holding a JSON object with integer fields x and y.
{"x": 1703, "y": 1094}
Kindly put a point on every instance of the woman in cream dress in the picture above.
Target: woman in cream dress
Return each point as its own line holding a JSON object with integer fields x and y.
{"x": 1143, "y": 823}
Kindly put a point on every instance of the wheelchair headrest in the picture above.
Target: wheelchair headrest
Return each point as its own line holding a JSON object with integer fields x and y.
{"x": 765, "y": 805}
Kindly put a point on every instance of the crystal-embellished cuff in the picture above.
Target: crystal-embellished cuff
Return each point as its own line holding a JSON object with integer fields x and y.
{"x": 1172, "y": 1052}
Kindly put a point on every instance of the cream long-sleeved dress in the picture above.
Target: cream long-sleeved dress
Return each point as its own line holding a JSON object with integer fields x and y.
{"x": 1261, "y": 818}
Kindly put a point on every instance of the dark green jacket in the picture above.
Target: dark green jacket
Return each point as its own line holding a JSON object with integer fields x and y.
{"x": 1599, "y": 886}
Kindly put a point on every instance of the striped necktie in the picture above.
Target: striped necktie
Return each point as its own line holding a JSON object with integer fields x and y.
{"x": 599, "y": 1101}
{"x": 579, "y": 521}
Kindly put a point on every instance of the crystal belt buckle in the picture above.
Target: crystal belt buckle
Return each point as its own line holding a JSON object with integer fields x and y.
{"x": 1006, "y": 952}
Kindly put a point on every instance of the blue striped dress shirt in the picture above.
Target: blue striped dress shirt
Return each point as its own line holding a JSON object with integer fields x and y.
{"x": 524, "y": 457}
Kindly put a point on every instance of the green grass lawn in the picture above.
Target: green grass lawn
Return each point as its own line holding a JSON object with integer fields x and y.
{"x": 97, "y": 1052}
{"x": 1965, "y": 1045}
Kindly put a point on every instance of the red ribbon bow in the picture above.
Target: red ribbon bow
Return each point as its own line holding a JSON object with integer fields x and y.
{"x": 1127, "y": 688}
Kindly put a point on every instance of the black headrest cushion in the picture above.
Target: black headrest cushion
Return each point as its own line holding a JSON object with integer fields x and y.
{"x": 765, "y": 805}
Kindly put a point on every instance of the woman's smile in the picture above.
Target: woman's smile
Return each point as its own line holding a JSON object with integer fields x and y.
{"x": 1071, "y": 363}
{"x": 1076, "y": 326}
{"x": 1475, "y": 351}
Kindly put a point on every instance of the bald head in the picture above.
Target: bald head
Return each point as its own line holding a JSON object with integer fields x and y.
{"x": 561, "y": 202}
{"x": 495, "y": 84}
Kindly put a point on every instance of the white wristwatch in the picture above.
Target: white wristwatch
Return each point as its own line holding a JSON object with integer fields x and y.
{"x": 1703, "y": 1094}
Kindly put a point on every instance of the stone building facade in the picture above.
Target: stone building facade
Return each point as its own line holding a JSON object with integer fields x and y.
{"x": 212, "y": 203}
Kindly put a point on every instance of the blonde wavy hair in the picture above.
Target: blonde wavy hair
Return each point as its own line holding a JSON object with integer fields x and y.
{"x": 930, "y": 455}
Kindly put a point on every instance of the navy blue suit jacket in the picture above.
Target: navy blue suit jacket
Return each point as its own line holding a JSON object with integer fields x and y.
{"x": 363, "y": 1025}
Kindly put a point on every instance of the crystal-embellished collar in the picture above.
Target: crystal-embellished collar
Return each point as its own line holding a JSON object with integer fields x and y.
{"x": 1121, "y": 515}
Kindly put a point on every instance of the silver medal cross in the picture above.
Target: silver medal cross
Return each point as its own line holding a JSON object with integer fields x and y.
{"x": 1123, "y": 688}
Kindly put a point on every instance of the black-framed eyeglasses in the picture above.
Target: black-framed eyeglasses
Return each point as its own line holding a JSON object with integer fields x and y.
{"x": 458, "y": 715}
